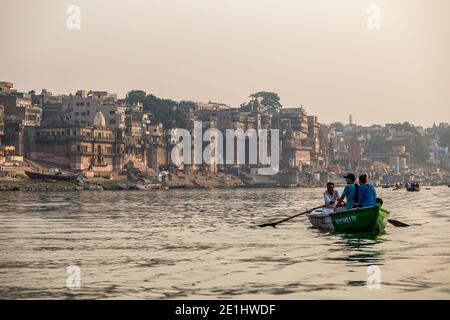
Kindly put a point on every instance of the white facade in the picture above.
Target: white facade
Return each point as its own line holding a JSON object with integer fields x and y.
{"x": 84, "y": 109}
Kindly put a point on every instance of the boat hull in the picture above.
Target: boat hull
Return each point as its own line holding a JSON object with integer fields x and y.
{"x": 372, "y": 219}
{"x": 41, "y": 176}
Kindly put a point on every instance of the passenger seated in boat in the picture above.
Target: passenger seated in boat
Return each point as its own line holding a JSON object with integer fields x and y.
{"x": 330, "y": 197}
{"x": 350, "y": 192}
{"x": 367, "y": 192}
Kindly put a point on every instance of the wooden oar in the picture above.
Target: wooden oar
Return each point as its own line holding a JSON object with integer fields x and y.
{"x": 398, "y": 224}
{"x": 274, "y": 224}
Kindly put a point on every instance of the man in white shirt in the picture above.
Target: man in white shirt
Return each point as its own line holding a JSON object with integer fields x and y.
{"x": 330, "y": 197}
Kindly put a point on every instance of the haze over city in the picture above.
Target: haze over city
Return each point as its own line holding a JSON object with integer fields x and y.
{"x": 244, "y": 156}
{"x": 320, "y": 54}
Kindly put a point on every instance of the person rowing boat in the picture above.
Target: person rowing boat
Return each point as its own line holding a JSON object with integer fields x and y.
{"x": 330, "y": 196}
{"x": 351, "y": 192}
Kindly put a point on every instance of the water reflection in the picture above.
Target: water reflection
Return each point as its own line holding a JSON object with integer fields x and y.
{"x": 203, "y": 244}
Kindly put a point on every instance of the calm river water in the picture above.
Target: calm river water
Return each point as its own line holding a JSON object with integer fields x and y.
{"x": 201, "y": 244}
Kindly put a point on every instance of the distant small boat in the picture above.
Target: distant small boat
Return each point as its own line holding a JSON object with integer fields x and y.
{"x": 56, "y": 177}
{"x": 3, "y": 188}
{"x": 92, "y": 187}
{"x": 179, "y": 186}
{"x": 111, "y": 187}
{"x": 416, "y": 188}
{"x": 136, "y": 187}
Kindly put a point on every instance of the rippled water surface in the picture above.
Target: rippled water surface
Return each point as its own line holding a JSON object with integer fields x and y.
{"x": 201, "y": 244}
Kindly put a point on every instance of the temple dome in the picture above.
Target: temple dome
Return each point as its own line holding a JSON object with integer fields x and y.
{"x": 99, "y": 120}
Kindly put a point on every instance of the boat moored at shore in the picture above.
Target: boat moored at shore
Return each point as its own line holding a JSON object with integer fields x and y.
{"x": 56, "y": 177}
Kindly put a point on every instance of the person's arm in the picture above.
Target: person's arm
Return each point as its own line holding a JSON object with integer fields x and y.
{"x": 336, "y": 196}
{"x": 342, "y": 197}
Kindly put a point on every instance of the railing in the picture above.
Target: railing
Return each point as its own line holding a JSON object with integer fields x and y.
{"x": 73, "y": 137}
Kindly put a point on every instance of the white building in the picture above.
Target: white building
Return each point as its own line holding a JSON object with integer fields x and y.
{"x": 83, "y": 109}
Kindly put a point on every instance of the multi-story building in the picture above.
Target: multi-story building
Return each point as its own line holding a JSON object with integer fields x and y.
{"x": 134, "y": 138}
{"x": 313, "y": 139}
{"x": 96, "y": 149}
{"x": 83, "y": 108}
{"x": 399, "y": 158}
{"x": 298, "y": 119}
{"x": 20, "y": 109}
{"x": 156, "y": 146}
{"x": 234, "y": 119}
{"x": 202, "y": 106}
{"x": 5, "y": 88}
{"x": 19, "y": 113}
{"x": 294, "y": 154}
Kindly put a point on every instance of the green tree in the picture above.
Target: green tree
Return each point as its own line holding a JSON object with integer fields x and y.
{"x": 270, "y": 101}
{"x": 136, "y": 96}
{"x": 165, "y": 111}
{"x": 377, "y": 144}
{"x": 338, "y": 126}
{"x": 405, "y": 127}
{"x": 419, "y": 149}
{"x": 444, "y": 139}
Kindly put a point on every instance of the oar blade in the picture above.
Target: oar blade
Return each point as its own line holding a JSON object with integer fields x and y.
{"x": 398, "y": 224}
{"x": 273, "y": 224}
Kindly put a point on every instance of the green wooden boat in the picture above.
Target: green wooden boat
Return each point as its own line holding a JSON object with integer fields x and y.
{"x": 371, "y": 219}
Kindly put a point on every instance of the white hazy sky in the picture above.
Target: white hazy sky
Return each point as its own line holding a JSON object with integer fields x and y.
{"x": 318, "y": 53}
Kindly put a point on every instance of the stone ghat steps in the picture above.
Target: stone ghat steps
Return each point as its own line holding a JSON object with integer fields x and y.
{"x": 16, "y": 168}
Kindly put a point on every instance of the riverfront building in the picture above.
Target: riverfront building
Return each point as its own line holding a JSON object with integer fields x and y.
{"x": 94, "y": 150}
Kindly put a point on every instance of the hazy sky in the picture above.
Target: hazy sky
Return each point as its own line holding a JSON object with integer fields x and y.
{"x": 318, "y": 53}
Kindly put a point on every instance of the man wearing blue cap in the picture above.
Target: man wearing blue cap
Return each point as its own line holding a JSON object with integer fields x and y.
{"x": 350, "y": 193}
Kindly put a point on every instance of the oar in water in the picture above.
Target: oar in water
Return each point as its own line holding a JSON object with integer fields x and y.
{"x": 274, "y": 224}
{"x": 398, "y": 224}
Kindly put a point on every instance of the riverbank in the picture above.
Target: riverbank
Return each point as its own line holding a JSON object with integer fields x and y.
{"x": 8, "y": 184}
